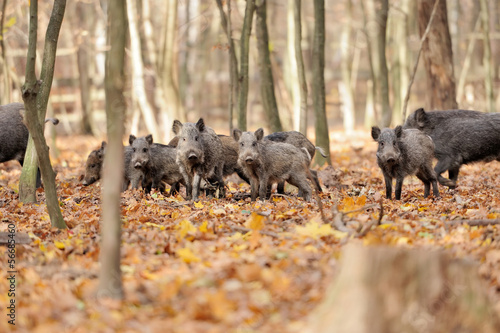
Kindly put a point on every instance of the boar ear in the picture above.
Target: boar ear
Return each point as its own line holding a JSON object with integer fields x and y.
{"x": 399, "y": 131}
{"x": 131, "y": 139}
{"x": 237, "y": 134}
{"x": 149, "y": 139}
{"x": 421, "y": 117}
{"x": 200, "y": 125}
{"x": 375, "y": 133}
{"x": 177, "y": 127}
{"x": 259, "y": 134}
{"x": 103, "y": 145}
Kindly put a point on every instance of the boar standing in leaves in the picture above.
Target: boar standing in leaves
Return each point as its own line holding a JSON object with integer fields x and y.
{"x": 14, "y": 134}
{"x": 460, "y": 137}
{"x": 267, "y": 162}
{"x": 94, "y": 165}
{"x": 298, "y": 140}
{"x": 403, "y": 152}
{"x": 155, "y": 163}
{"x": 199, "y": 155}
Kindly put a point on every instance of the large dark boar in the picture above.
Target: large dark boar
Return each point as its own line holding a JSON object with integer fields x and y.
{"x": 404, "y": 152}
{"x": 460, "y": 137}
{"x": 199, "y": 155}
{"x": 14, "y": 134}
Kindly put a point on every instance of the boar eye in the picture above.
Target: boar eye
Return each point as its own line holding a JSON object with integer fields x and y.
{"x": 241, "y": 144}
{"x": 394, "y": 143}
{"x": 145, "y": 150}
{"x": 381, "y": 144}
{"x": 133, "y": 149}
{"x": 196, "y": 138}
{"x": 92, "y": 166}
{"x": 183, "y": 139}
{"x": 254, "y": 144}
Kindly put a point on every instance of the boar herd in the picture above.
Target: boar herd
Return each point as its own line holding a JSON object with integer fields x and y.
{"x": 199, "y": 159}
{"x": 199, "y": 155}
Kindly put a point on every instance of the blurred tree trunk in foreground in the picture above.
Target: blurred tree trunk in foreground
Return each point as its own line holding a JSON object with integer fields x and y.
{"x": 300, "y": 66}
{"x": 265, "y": 69}
{"x": 110, "y": 282}
{"x": 437, "y": 55}
{"x": 318, "y": 84}
{"x": 36, "y": 96}
{"x": 388, "y": 289}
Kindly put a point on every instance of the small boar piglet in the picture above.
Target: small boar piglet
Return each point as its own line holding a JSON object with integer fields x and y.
{"x": 153, "y": 164}
{"x": 403, "y": 152}
{"x": 298, "y": 140}
{"x": 266, "y": 162}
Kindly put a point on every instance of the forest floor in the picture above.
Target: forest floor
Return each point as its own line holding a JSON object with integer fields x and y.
{"x": 226, "y": 265}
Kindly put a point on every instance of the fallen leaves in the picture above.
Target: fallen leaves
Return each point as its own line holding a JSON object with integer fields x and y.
{"x": 227, "y": 265}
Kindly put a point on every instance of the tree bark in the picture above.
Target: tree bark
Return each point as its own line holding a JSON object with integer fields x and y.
{"x": 387, "y": 289}
{"x": 173, "y": 108}
{"x": 345, "y": 90}
{"x": 110, "y": 283}
{"x": 438, "y": 57}
{"x": 34, "y": 93}
{"x": 487, "y": 61}
{"x": 138, "y": 72}
{"x": 244, "y": 64}
{"x": 299, "y": 59}
{"x": 265, "y": 69}
{"x": 5, "y": 98}
{"x": 377, "y": 29}
{"x": 86, "y": 20}
{"x": 318, "y": 84}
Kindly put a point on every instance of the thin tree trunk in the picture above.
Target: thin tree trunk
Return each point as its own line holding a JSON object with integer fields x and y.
{"x": 318, "y": 84}
{"x": 5, "y": 98}
{"x": 487, "y": 60}
{"x": 300, "y": 65}
{"x": 345, "y": 90}
{"x": 110, "y": 283}
{"x": 467, "y": 61}
{"x": 291, "y": 72}
{"x": 35, "y": 95}
{"x": 370, "y": 111}
{"x": 138, "y": 72}
{"x": 174, "y": 108}
{"x": 85, "y": 16}
{"x": 233, "y": 61}
{"x": 244, "y": 64}
{"x": 265, "y": 69}
{"x": 437, "y": 54}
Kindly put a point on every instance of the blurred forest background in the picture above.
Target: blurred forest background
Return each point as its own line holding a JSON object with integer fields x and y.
{"x": 178, "y": 61}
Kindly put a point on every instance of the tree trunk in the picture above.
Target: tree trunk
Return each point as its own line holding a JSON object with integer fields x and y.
{"x": 138, "y": 72}
{"x": 233, "y": 61}
{"x": 244, "y": 62}
{"x": 173, "y": 108}
{"x": 487, "y": 61}
{"x": 376, "y": 25}
{"x": 388, "y": 289}
{"x": 265, "y": 69}
{"x": 318, "y": 84}
{"x": 290, "y": 68}
{"x": 371, "y": 115}
{"x": 345, "y": 85}
{"x": 5, "y": 98}
{"x": 438, "y": 57}
{"x": 300, "y": 66}
{"x": 110, "y": 283}
{"x": 85, "y": 15}
{"x": 35, "y": 95}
